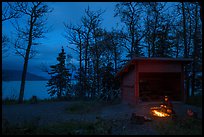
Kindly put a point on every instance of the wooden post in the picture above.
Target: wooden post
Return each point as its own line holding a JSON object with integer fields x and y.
{"x": 183, "y": 90}
{"x": 137, "y": 82}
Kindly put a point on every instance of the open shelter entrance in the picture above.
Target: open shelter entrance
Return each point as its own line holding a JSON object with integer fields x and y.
{"x": 155, "y": 85}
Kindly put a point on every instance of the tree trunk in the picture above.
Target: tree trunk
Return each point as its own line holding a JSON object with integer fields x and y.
{"x": 201, "y": 15}
{"x": 194, "y": 52}
{"x": 86, "y": 64}
{"x": 97, "y": 73}
{"x": 80, "y": 67}
{"x": 190, "y": 34}
{"x": 132, "y": 44}
{"x": 154, "y": 35}
{"x": 185, "y": 49}
{"x": 115, "y": 58}
{"x": 177, "y": 46}
{"x": 184, "y": 31}
{"x": 20, "y": 100}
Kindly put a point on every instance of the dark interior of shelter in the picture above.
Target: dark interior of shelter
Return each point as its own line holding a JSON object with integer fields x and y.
{"x": 154, "y": 86}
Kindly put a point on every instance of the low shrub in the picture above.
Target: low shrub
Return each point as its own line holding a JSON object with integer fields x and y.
{"x": 9, "y": 101}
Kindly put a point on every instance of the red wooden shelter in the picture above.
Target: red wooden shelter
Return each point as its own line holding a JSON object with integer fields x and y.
{"x": 152, "y": 78}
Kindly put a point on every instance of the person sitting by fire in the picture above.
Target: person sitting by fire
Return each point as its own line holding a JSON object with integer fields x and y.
{"x": 166, "y": 105}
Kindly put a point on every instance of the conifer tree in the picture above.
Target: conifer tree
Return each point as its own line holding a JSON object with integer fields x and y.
{"x": 60, "y": 77}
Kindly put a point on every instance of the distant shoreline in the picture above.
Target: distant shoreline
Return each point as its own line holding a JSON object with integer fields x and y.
{"x": 15, "y": 75}
{"x": 20, "y": 80}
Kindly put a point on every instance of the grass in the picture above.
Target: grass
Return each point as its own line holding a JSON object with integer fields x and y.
{"x": 85, "y": 107}
{"x": 81, "y": 106}
{"x": 77, "y": 128}
{"x": 100, "y": 127}
{"x": 8, "y": 101}
{"x": 27, "y": 127}
{"x": 12, "y": 101}
{"x": 184, "y": 126}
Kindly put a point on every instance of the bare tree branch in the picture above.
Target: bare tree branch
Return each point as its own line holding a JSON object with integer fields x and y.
{"x": 8, "y": 11}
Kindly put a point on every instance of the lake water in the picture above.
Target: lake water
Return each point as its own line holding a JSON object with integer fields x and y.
{"x": 11, "y": 89}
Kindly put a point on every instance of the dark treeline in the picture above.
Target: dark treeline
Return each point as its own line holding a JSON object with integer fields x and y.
{"x": 150, "y": 29}
{"x": 99, "y": 53}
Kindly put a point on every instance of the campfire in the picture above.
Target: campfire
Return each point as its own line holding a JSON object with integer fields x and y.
{"x": 165, "y": 109}
{"x": 157, "y": 111}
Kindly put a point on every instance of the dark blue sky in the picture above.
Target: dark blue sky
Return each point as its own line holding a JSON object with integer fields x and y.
{"x": 70, "y": 12}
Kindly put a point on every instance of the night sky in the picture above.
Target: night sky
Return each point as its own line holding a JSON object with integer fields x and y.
{"x": 63, "y": 12}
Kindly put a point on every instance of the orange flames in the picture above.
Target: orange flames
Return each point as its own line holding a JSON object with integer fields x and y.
{"x": 156, "y": 111}
{"x": 159, "y": 113}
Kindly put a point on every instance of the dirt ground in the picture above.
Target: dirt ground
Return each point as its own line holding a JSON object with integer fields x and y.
{"x": 49, "y": 113}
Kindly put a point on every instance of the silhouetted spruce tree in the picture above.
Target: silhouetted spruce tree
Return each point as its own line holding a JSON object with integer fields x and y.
{"x": 109, "y": 82}
{"x": 108, "y": 76}
{"x": 60, "y": 77}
